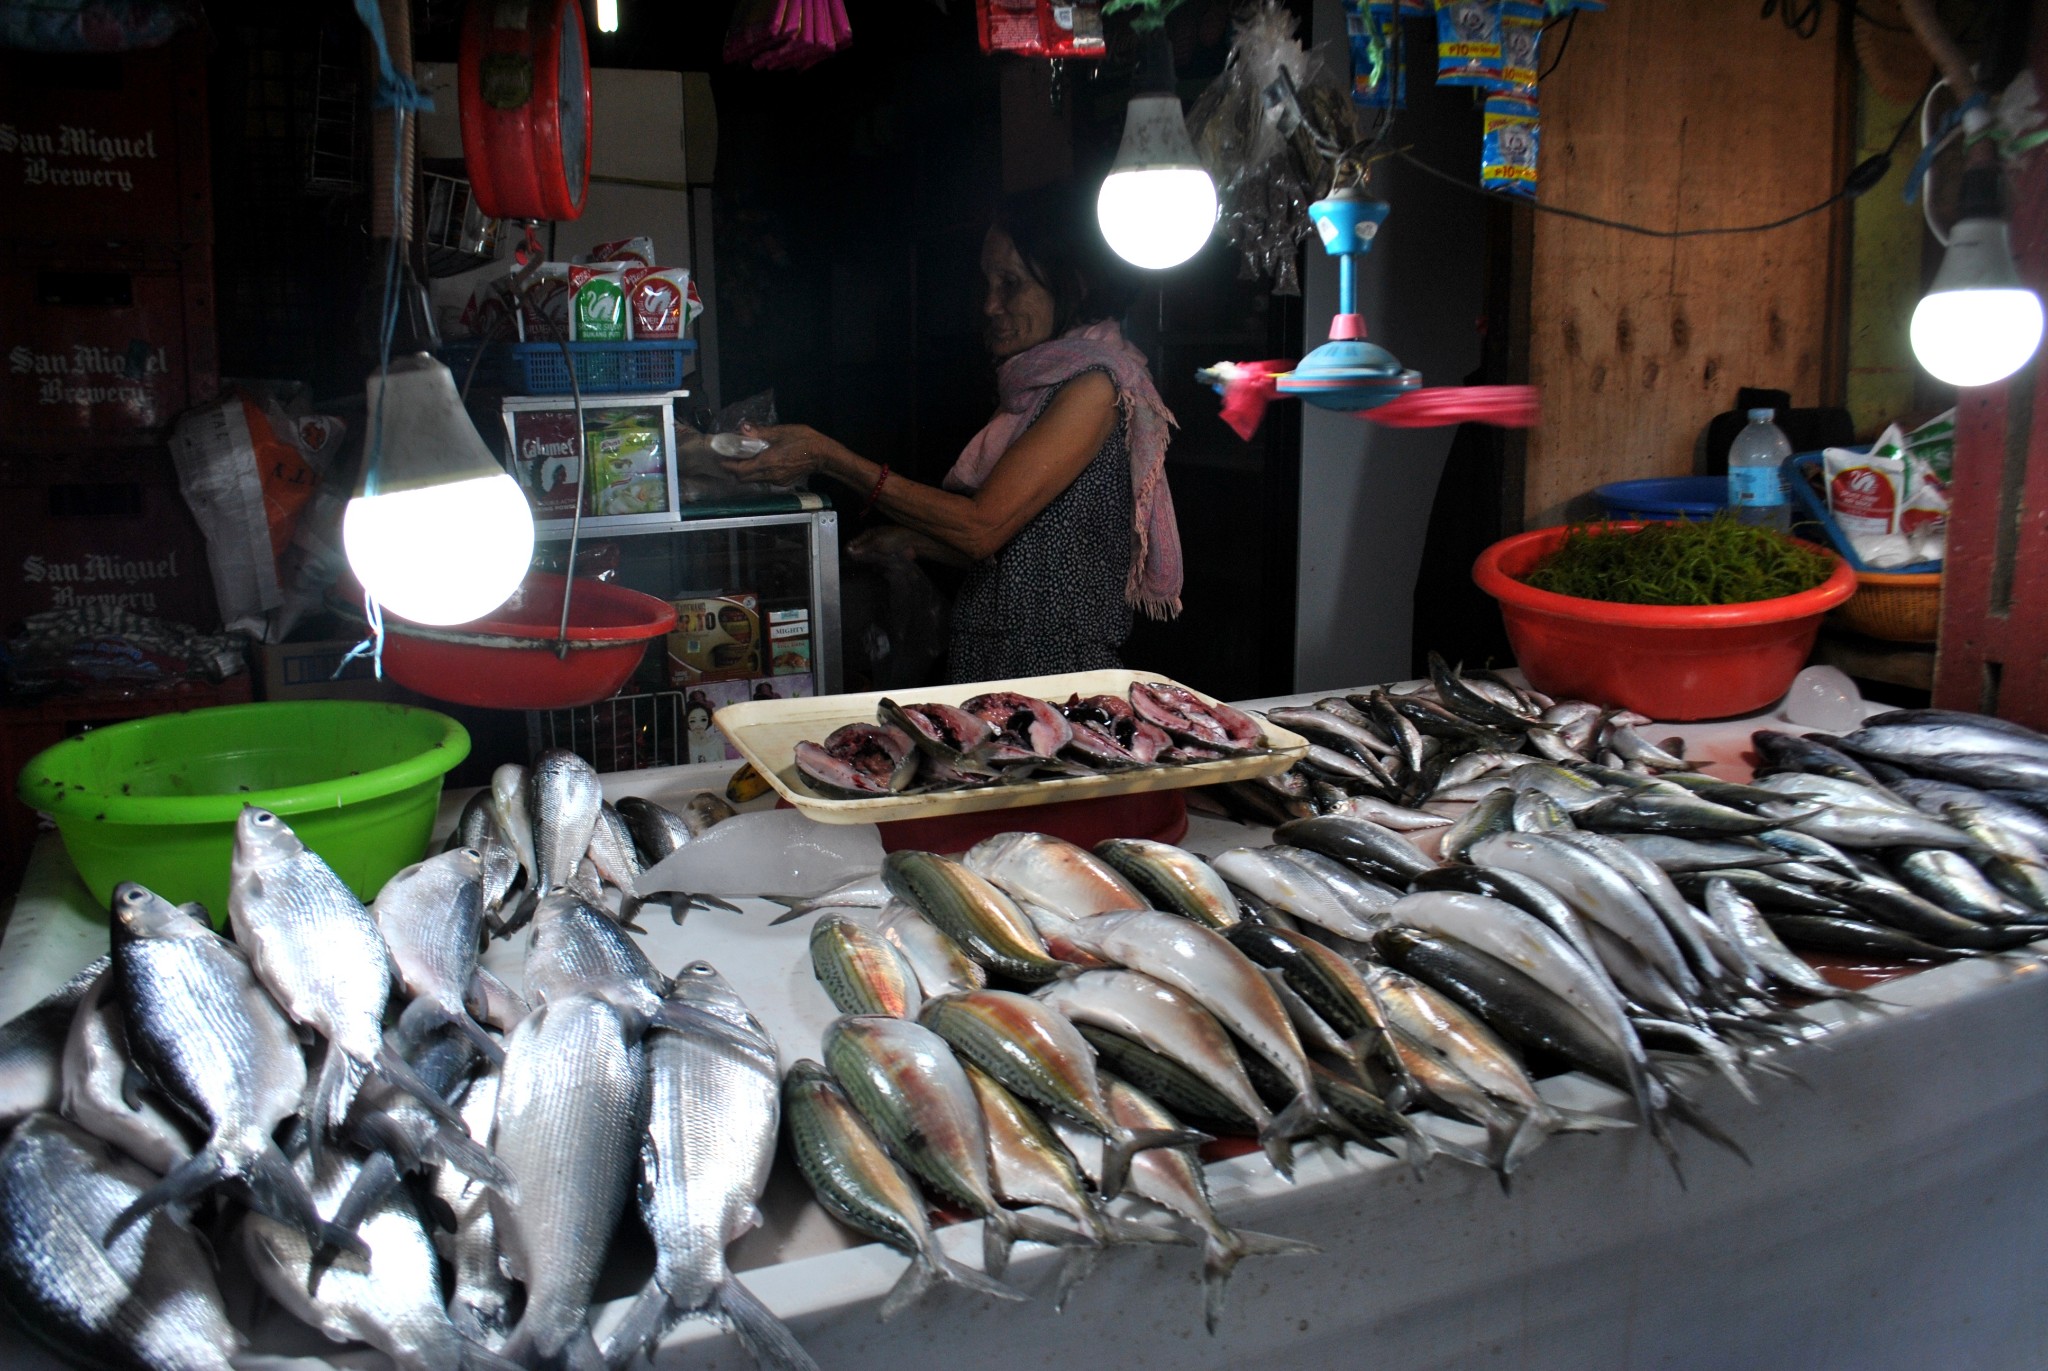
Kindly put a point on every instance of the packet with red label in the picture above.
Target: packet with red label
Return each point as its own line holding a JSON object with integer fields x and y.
{"x": 638, "y": 250}
{"x": 1009, "y": 26}
{"x": 661, "y": 302}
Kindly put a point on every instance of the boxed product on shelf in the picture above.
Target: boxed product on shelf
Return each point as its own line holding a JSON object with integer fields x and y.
{"x": 716, "y": 638}
{"x": 623, "y": 462}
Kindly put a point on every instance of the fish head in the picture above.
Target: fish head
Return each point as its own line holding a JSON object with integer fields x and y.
{"x": 508, "y": 785}
{"x": 143, "y": 913}
{"x": 262, "y": 839}
{"x": 701, "y": 987}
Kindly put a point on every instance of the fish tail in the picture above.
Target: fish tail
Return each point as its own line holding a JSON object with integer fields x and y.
{"x": 647, "y": 1319}
{"x": 579, "y": 1353}
{"x": 521, "y": 915}
{"x": 398, "y": 1072}
{"x": 1457, "y": 1152}
{"x": 472, "y": 1355}
{"x": 766, "y": 1338}
{"x": 373, "y": 1182}
{"x": 1688, "y": 1113}
{"x": 1118, "y": 1229}
{"x": 1279, "y": 1150}
{"x": 1310, "y": 1114}
{"x": 1223, "y": 1249}
{"x": 917, "y": 1278}
{"x": 1118, "y": 1149}
{"x": 477, "y": 1034}
{"x": 679, "y": 906}
{"x": 1030, "y": 1228}
{"x": 1075, "y": 1266}
{"x": 188, "y": 1180}
{"x": 1528, "y": 1134}
{"x": 1585, "y": 1121}
{"x": 274, "y": 1189}
{"x": 473, "y": 1159}
{"x": 333, "y": 1091}
{"x": 997, "y": 1234}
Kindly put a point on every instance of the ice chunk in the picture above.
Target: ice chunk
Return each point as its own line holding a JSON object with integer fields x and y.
{"x": 1824, "y": 698}
{"x": 776, "y": 852}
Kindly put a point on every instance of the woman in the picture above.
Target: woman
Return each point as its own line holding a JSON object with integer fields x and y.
{"x": 1059, "y": 506}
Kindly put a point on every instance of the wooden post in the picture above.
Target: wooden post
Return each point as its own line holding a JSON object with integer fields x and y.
{"x": 1993, "y": 656}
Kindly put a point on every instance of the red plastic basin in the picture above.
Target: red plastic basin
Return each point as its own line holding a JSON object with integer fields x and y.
{"x": 1672, "y": 662}
{"x": 507, "y": 661}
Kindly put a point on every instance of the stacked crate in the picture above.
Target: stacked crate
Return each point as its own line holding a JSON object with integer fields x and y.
{"x": 106, "y": 327}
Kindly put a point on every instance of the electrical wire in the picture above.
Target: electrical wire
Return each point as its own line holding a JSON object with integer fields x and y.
{"x": 1803, "y": 20}
{"x": 1861, "y": 178}
{"x": 1571, "y": 22}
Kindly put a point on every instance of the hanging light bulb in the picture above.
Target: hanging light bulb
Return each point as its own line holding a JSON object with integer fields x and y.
{"x": 1977, "y": 323}
{"x": 1157, "y": 206}
{"x": 607, "y": 16}
{"x": 437, "y": 532}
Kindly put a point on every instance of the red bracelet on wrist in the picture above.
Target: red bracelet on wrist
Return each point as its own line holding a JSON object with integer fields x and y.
{"x": 876, "y": 493}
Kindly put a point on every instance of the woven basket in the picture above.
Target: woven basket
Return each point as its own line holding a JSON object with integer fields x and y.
{"x": 1896, "y": 608}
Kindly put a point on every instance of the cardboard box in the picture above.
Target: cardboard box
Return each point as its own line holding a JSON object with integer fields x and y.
{"x": 305, "y": 671}
{"x": 716, "y": 638}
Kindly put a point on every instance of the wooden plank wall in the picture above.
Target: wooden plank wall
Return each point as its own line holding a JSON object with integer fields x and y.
{"x": 1679, "y": 114}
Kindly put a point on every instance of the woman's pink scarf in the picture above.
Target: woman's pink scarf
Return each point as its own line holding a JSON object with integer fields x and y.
{"x": 1154, "y": 581}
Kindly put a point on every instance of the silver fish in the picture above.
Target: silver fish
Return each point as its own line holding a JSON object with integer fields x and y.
{"x": 512, "y": 807}
{"x": 1294, "y": 889}
{"x": 942, "y": 966}
{"x": 318, "y": 952}
{"x": 432, "y": 915}
{"x": 714, "y": 1104}
{"x": 147, "y": 1299}
{"x": 1860, "y": 828}
{"x": 862, "y": 892}
{"x": 1742, "y": 922}
{"x": 1672, "y": 854}
{"x": 705, "y": 810}
{"x": 98, "y": 1086}
{"x": 32, "y": 1048}
{"x": 574, "y": 948}
{"x": 656, "y": 829}
{"x": 481, "y": 1302}
{"x": 390, "y": 1299}
{"x": 1053, "y": 873}
{"x": 617, "y": 860}
{"x": 1199, "y": 963}
{"x": 1492, "y": 814}
{"x": 570, "y": 1110}
{"x": 1155, "y": 1015}
{"x": 201, "y": 1029}
{"x": 1596, "y": 891}
{"x": 1934, "y": 798}
{"x": 1396, "y": 817}
{"x": 567, "y": 801}
{"x": 1172, "y": 1178}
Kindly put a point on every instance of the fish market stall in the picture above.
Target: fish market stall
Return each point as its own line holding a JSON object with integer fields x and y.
{"x": 1890, "y": 1194}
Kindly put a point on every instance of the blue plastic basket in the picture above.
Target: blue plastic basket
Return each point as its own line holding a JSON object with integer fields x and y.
{"x": 601, "y": 368}
{"x": 1673, "y": 497}
{"x": 1798, "y": 470}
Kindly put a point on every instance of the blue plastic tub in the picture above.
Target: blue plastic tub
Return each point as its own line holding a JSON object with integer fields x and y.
{"x": 1664, "y": 497}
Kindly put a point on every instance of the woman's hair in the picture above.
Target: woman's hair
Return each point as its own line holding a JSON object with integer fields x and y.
{"x": 1056, "y": 234}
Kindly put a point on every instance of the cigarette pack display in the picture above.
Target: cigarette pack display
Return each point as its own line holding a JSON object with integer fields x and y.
{"x": 716, "y": 638}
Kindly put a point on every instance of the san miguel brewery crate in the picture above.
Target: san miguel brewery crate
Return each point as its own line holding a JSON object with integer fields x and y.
{"x": 96, "y": 351}
{"x": 105, "y": 149}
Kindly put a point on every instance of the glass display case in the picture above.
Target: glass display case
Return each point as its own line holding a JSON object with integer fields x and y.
{"x": 756, "y": 590}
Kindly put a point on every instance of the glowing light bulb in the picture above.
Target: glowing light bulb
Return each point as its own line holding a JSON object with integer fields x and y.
{"x": 1977, "y": 323}
{"x": 1157, "y": 206}
{"x": 607, "y": 16}
{"x": 437, "y": 531}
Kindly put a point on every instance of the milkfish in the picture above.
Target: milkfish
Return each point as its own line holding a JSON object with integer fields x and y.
{"x": 32, "y": 1048}
{"x": 318, "y": 951}
{"x": 146, "y": 1299}
{"x": 99, "y": 1091}
{"x": 857, "y": 1182}
{"x": 480, "y": 1302}
{"x": 617, "y": 860}
{"x": 570, "y": 1109}
{"x": 207, "y": 1036}
{"x": 713, "y": 1109}
{"x": 389, "y": 1298}
{"x": 432, "y": 915}
{"x": 567, "y": 801}
{"x": 512, "y": 807}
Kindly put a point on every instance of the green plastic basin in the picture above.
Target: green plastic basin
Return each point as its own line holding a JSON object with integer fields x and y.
{"x": 155, "y": 800}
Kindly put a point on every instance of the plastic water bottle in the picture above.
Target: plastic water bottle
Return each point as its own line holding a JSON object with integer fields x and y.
{"x": 1756, "y": 488}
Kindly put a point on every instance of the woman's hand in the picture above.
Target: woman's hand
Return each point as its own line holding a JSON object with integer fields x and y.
{"x": 794, "y": 451}
{"x": 886, "y": 543}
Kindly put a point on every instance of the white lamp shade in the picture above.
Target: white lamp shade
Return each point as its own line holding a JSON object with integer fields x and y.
{"x": 607, "y": 16}
{"x": 1977, "y": 323}
{"x": 438, "y": 532}
{"x": 1157, "y": 206}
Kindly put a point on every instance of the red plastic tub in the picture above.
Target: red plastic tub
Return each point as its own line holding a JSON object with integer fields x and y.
{"x": 507, "y": 661}
{"x": 1672, "y": 662}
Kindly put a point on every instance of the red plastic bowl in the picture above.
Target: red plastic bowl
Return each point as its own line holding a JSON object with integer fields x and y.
{"x": 1672, "y": 662}
{"x": 507, "y": 661}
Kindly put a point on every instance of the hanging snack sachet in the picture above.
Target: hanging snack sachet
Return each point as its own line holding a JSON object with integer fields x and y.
{"x": 1468, "y": 43}
{"x": 1379, "y": 78}
{"x": 1521, "y": 29}
{"x": 1507, "y": 159}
